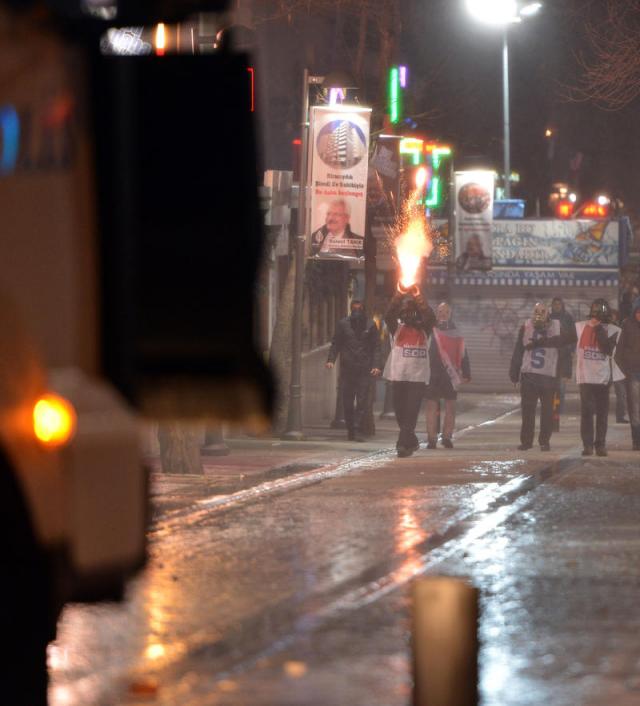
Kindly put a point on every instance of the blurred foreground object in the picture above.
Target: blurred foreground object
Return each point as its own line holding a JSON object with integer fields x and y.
{"x": 445, "y": 642}
{"x": 131, "y": 238}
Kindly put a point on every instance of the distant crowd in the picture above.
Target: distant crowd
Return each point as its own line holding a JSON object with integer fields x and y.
{"x": 428, "y": 359}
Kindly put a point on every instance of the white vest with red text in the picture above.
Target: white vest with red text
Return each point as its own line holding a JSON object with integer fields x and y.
{"x": 592, "y": 365}
{"x": 409, "y": 357}
{"x": 542, "y": 361}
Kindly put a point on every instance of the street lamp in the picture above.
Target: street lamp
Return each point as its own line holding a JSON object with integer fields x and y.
{"x": 502, "y": 13}
{"x": 336, "y": 79}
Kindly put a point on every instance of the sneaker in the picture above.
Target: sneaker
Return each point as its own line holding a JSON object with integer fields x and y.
{"x": 359, "y": 438}
{"x": 587, "y": 451}
{"x": 524, "y": 447}
{"x": 622, "y": 421}
{"x": 431, "y": 445}
{"x": 415, "y": 446}
{"x": 403, "y": 452}
{"x": 447, "y": 443}
{"x": 601, "y": 451}
{"x": 545, "y": 447}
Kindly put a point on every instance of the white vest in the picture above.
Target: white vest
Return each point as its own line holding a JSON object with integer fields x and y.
{"x": 592, "y": 365}
{"x": 409, "y": 357}
{"x": 542, "y": 361}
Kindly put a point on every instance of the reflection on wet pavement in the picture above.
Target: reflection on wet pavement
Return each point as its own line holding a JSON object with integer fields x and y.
{"x": 300, "y": 597}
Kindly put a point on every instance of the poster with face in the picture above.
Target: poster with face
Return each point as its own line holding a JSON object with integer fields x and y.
{"x": 474, "y": 219}
{"x": 338, "y": 178}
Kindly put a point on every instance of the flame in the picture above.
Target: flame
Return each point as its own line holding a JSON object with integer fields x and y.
{"x": 413, "y": 241}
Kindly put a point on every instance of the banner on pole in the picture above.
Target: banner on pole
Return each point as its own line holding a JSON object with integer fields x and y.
{"x": 339, "y": 160}
{"x": 474, "y": 219}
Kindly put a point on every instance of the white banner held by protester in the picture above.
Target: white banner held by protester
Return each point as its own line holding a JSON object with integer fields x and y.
{"x": 339, "y": 163}
{"x": 474, "y": 219}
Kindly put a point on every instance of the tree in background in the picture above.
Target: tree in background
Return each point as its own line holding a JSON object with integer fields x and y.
{"x": 610, "y": 57}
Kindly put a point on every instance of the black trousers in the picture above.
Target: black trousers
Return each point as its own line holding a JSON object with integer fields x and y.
{"x": 594, "y": 401}
{"x": 529, "y": 396}
{"x": 407, "y": 398}
{"x": 355, "y": 391}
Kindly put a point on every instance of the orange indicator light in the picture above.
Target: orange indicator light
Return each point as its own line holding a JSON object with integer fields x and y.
{"x": 54, "y": 420}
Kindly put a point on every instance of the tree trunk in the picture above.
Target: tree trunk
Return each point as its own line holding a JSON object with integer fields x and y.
{"x": 280, "y": 353}
{"x": 180, "y": 445}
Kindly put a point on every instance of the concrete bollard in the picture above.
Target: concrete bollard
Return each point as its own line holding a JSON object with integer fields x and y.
{"x": 445, "y": 642}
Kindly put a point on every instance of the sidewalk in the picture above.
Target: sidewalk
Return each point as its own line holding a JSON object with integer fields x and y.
{"x": 254, "y": 460}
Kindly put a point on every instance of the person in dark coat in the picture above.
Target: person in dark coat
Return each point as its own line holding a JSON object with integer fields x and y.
{"x": 534, "y": 366}
{"x": 357, "y": 342}
{"x": 565, "y": 354}
{"x": 410, "y": 321}
{"x": 627, "y": 357}
{"x": 449, "y": 367}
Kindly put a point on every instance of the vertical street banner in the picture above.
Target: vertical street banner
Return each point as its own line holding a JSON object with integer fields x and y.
{"x": 338, "y": 178}
{"x": 474, "y": 219}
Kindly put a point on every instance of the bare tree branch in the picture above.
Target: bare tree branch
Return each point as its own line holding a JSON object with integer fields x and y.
{"x": 610, "y": 62}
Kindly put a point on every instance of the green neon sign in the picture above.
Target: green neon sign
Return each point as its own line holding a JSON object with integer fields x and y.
{"x": 395, "y": 108}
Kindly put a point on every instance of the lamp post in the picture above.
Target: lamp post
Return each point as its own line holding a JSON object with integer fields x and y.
{"x": 502, "y": 13}
{"x": 335, "y": 80}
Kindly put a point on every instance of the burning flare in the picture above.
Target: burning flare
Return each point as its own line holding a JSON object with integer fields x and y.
{"x": 412, "y": 241}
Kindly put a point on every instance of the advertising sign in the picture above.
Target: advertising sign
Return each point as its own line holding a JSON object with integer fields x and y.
{"x": 474, "y": 218}
{"x": 556, "y": 243}
{"x": 339, "y": 161}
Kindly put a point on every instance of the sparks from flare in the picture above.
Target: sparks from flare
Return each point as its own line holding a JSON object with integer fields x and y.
{"x": 411, "y": 239}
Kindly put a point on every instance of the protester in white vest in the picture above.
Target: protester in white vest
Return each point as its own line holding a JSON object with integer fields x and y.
{"x": 595, "y": 371}
{"x": 534, "y": 366}
{"x": 410, "y": 321}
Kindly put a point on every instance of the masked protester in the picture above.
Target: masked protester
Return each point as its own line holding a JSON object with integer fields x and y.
{"x": 565, "y": 354}
{"x": 627, "y": 356}
{"x": 597, "y": 338}
{"x": 449, "y": 366}
{"x": 619, "y": 382}
{"x": 410, "y": 321}
{"x": 534, "y": 364}
{"x": 357, "y": 342}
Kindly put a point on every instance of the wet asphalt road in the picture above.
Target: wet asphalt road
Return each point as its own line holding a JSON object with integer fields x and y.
{"x": 295, "y": 591}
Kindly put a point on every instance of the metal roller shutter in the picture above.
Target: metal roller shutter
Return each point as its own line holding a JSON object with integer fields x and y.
{"x": 489, "y": 318}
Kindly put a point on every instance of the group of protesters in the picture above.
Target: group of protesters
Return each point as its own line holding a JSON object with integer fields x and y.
{"x": 428, "y": 359}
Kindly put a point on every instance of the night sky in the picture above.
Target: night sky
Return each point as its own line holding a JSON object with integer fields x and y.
{"x": 455, "y": 93}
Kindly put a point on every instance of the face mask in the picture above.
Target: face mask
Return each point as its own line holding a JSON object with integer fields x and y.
{"x": 411, "y": 318}
{"x": 357, "y": 315}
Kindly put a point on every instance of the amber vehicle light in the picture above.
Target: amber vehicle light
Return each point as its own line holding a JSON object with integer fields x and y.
{"x": 54, "y": 420}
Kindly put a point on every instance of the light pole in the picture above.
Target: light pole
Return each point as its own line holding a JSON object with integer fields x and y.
{"x": 335, "y": 80}
{"x": 502, "y": 13}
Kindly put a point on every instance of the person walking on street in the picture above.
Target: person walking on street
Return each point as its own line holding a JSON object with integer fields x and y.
{"x": 534, "y": 366}
{"x": 410, "y": 322}
{"x": 597, "y": 338}
{"x": 627, "y": 356}
{"x": 357, "y": 342}
{"x": 449, "y": 366}
{"x": 565, "y": 354}
{"x": 619, "y": 382}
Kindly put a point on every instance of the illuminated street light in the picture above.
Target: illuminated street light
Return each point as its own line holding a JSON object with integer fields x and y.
{"x": 502, "y": 13}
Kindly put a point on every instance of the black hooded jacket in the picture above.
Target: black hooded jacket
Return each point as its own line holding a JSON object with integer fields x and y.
{"x": 357, "y": 346}
{"x": 565, "y": 353}
{"x": 627, "y": 354}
